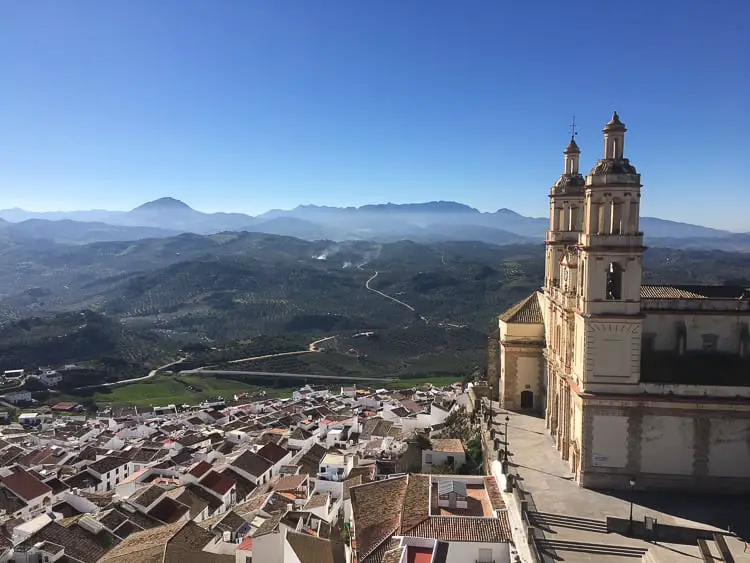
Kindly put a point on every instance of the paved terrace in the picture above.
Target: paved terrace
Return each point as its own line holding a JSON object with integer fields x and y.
{"x": 478, "y": 503}
{"x": 574, "y": 520}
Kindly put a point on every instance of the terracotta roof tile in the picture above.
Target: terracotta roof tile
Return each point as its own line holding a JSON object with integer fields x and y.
{"x": 393, "y": 556}
{"x": 273, "y": 452}
{"x": 310, "y": 549}
{"x": 349, "y": 483}
{"x": 252, "y": 463}
{"x": 289, "y": 482}
{"x": 218, "y": 483}
{"x": 200, "y": 468}
{"x": 378, "y": 555}
{"x": 377, "y": 511}
{"x": 168, "y": 510}
{"x": 694, "y": 292}
{"x": 25, "y": 485}
{"x": 180, "y": 541}
{"x": 493, "y": 492}
{"x": 447, "y": 445}
{"x": 146, "y": 496}
{"x": 316, "y": 501}
{"x": 416, "y": 504}
{"x": 465, "y": 529}
{"x": 243, "y": 486}
{"x": 80, "y": 545}
{"x": 193, "y": 502}
{"x": 527, "y": 311}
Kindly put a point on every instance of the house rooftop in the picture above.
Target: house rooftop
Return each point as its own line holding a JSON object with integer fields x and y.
{"x": 526, "y": 311}
{"x": 447, "y": 445}
{"x": 218, "y": 483}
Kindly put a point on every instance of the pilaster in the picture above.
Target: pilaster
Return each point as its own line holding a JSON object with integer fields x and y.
{"x": 635, "y": 437}
{"x": 701, "y": 445}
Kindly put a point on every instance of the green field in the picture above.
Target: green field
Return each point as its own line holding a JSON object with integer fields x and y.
{"x": 163, "y": 390}
{"x": 166, "y": 389}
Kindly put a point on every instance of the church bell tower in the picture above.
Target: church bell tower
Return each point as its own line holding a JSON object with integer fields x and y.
{"x": 608, "y": 323}
{"x": 566, "y": 214}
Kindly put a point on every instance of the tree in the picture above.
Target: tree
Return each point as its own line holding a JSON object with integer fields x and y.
{"x": 423, "y": 442}
{"x": 458, "y": 425}
{"x": 443, "y": 469}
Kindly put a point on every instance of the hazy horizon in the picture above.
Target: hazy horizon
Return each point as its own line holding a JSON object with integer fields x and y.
{"x": 253, "y": 106}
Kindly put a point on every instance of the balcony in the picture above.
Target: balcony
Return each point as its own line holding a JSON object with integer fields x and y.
{"x": 613, "y": 240}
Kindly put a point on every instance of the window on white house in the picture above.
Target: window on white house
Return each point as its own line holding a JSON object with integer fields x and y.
{"x": 428, "y": 458}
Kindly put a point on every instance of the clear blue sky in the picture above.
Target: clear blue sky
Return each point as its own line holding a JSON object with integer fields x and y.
{"x": 246, "y": 105}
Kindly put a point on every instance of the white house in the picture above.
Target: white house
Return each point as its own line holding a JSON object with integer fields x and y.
{"x": 16, "y": 397}
{"x": 110, "y": 470}
{"x": 277, "y": 455}
{"x": 335, "y": 467}
{"x": 253, "y": 467}
{"x": 444, "y": 451}
{"x": 49, "y": 377}
{"x": 29, "y": 495}
{"x": 301, "y": 439}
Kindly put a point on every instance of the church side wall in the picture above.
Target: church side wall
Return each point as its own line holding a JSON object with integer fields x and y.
{"x": 662, "y": 328}
{"x": 521, "y": 369}
{"x": 666, "y": 445}
{"x": 521, "y": 364}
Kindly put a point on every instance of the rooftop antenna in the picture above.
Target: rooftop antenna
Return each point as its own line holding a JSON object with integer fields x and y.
{"x": 573, "y": 131}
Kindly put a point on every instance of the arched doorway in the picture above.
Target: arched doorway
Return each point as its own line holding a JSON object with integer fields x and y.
{"x": 527, "y": 400}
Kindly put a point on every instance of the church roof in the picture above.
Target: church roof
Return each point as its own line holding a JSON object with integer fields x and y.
{"x": 527, "y": 311}
{"x": 572, "y": 147}
{"x": 694, "y": 292}
{"x": 569, "y": 184}
{"x": 613, "y": 166}
{"x": 614, "y": 123}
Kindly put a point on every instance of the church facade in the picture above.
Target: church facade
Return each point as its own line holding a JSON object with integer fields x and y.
{"x": 634, "y": 381}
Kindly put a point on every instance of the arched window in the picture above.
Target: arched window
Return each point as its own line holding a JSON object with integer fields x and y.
{"x": 614, "y": 281}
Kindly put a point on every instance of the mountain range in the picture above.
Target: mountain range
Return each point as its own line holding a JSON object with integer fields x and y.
{"x": 419, "y": 222}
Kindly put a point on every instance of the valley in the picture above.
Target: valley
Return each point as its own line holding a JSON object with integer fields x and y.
{"x": 266, "y": 304}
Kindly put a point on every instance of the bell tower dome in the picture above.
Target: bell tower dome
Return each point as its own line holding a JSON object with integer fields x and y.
{"x": 566, "y": 212}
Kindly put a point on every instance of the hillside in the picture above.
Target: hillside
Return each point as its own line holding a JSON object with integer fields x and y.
{"x": 100, "y": 347}
{"x": 430, "y": 306}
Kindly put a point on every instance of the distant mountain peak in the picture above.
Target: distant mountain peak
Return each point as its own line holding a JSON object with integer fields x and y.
{"x": 506, "y": 211}
{"x": 164, "y": 203}
{"x": 426, "y": 207}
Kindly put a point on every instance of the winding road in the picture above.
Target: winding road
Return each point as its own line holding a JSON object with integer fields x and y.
{"x": 412, "y": 309}
{"x": 202, "y": 371}
{"x": 311, "y": 349}
{"x": 151, "y": 374}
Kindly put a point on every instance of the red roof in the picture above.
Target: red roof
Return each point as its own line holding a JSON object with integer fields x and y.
{"x": 272, "y": 452}
{"x": 419, "y": 555}
{"x": 217, "y": 482}
{"x": 200, "y": 468}
{"x": 64, "y": 407}
{"x": 25, "y": 485}
{"x": 246, "y": 544}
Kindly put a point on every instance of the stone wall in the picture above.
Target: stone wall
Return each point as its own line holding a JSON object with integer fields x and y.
{"x": 666, "y": 445}
{"x": 522, "y": 369}
{"x": 493, "y": 364}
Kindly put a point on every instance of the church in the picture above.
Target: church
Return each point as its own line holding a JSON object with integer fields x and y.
{"x": 645, "y": 382}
